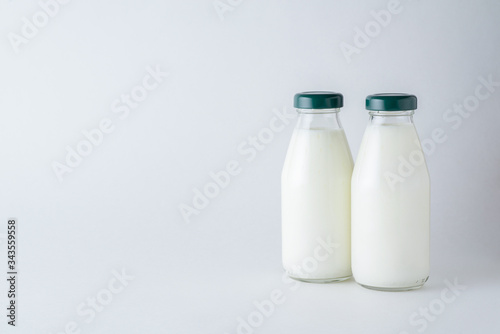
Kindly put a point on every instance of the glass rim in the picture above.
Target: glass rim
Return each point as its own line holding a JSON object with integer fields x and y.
{"x": 391, "y": 113}
{"x": 318, "y": 111}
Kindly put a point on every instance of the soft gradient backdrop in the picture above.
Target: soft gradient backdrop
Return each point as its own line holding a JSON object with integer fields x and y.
{"x": 232, "y": 65}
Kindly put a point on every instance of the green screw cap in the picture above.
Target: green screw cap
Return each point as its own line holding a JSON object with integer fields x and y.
{"x": 391, "y": 102}
{"x": 318, "y": 100}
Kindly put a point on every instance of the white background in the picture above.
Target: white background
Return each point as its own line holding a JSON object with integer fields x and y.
{"x": 119, "y": 209}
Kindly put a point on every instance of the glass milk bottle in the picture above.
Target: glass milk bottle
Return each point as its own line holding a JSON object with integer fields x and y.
{"x": 390, "y": 199}
{"x": 316, "y": 192}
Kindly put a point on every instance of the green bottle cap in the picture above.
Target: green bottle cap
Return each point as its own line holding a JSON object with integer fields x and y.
{"x": 391, "y": 102}
{"x": 318, "y": 100}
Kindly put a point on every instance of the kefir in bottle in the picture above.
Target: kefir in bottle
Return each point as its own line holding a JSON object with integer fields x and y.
{"x": 390, "y": 199}
{"x": 316, "y": 193}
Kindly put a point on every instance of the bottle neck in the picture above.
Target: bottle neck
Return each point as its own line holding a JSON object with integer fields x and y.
{"x": 391, "y": 117}
{"x": 319, "y": 119}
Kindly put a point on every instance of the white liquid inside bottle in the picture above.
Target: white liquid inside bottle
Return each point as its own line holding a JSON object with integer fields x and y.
{"x": 316, "y": 201}
{"x": 390, "y": 207}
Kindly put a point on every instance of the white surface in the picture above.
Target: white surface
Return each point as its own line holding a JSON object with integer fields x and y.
{"x": 119, "y": 207}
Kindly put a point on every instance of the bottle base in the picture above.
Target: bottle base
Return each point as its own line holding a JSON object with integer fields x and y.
{"x": 321, "y": 280}
{"x": 396, "y": 289}
{"x": 406, "y": 288}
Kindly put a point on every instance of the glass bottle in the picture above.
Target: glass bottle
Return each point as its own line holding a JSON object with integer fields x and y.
{"x": 390, "y": 199}
{"x": 316, "y": 192}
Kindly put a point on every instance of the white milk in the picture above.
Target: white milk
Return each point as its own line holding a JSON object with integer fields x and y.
{"x": 316, "y": 205}
{"x": 390, "y": 224}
